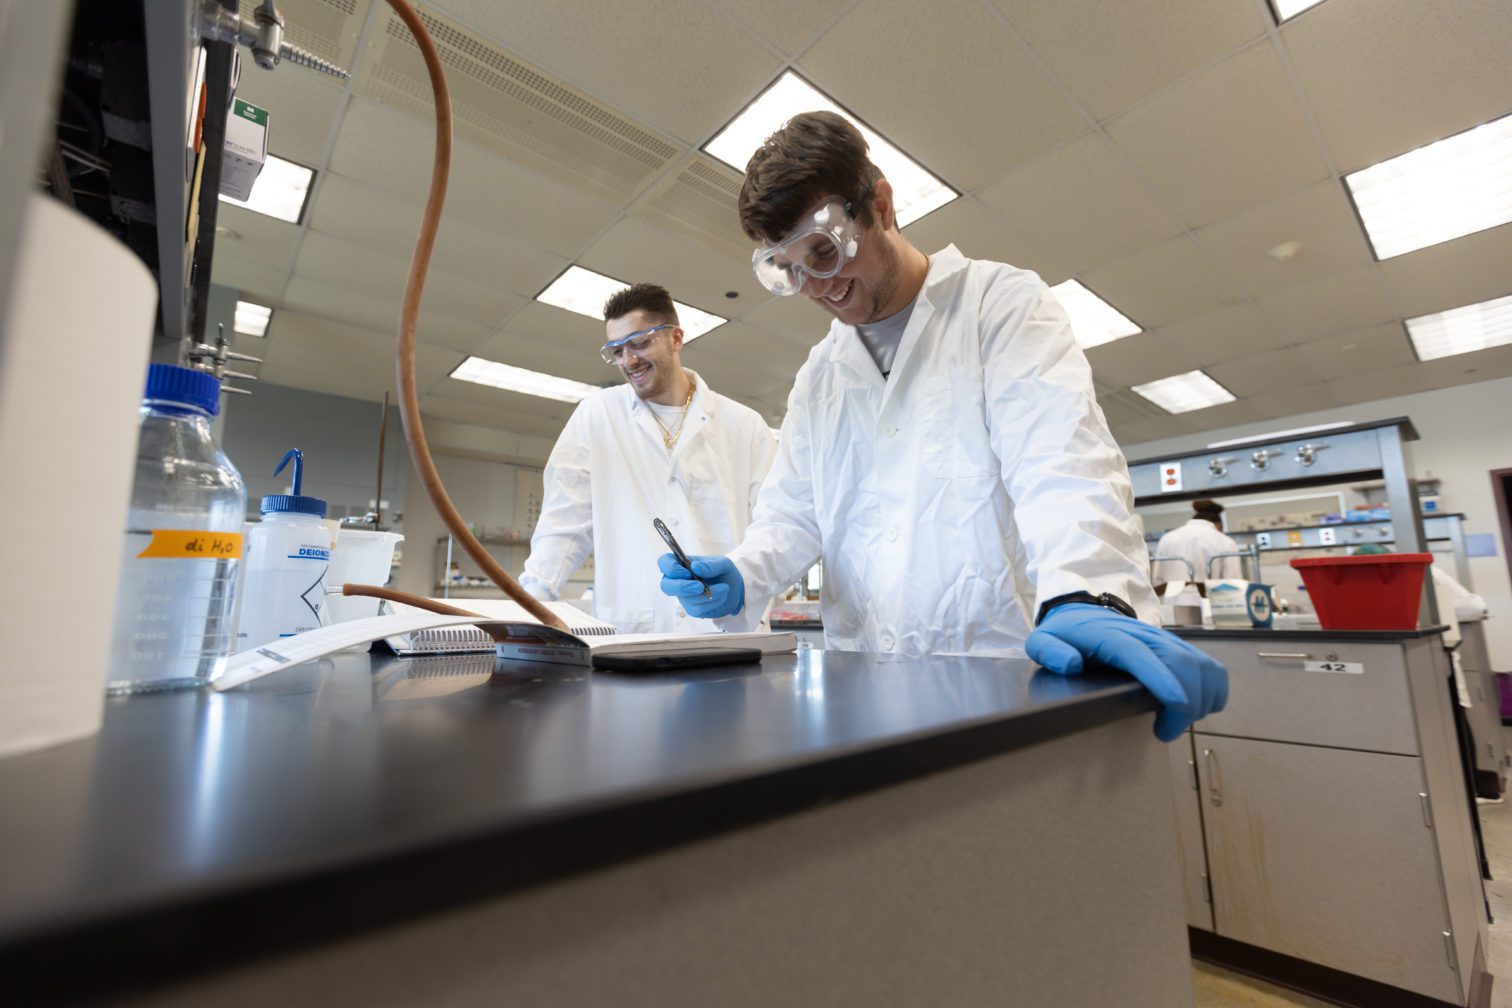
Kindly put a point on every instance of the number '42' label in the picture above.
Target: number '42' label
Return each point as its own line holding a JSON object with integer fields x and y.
{"x": 1349, "y": 667}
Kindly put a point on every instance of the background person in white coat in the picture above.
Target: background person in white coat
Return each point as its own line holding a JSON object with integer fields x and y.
{"x": 1200, "y": 539}
{"x": 662, "y": 445}
{"x": 942, "y": 453}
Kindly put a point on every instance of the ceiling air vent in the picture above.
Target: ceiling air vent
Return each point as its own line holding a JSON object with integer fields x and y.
{"x": 701, "y": 203}
{"x": 513, "y": 109}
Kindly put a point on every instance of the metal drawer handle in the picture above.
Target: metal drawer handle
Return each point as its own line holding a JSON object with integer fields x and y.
{"x": 1298, "y": 655}
{"x": 1215, "y": 791}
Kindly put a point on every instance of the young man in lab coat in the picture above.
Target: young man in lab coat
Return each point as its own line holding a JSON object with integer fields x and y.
{"x": 942, "y": 453}
{"x": 662, "y": 445}
{"x": 1197, "y": 542}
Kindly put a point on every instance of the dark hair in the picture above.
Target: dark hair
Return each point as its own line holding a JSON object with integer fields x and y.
{"x": 814, "y": 155}
{"x": 1207, "y": 508}
{"x": 647, "y": 297}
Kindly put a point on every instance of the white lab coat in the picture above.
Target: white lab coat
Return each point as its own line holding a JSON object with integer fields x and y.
{"x": 610, "y": 474}
{"x": 950, "y": 499}
{"x": 1196, "y": 542}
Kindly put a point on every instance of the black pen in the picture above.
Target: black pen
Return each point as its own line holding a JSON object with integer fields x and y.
{"x": 677, "y": 552}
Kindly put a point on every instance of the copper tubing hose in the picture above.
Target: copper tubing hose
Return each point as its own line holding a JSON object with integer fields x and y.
{"x": 409, "y": 399}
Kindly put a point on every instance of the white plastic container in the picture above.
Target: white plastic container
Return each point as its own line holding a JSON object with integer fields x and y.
{"x": 359, "y": 557}
{"x": 288, "y": 553}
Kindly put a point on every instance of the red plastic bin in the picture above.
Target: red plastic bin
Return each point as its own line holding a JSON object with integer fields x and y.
{"x": 1373, "y": 592}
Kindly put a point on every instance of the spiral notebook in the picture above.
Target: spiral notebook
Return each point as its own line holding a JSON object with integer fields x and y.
{"x": 527, "y": 640}
{"x": 470, "y": 640}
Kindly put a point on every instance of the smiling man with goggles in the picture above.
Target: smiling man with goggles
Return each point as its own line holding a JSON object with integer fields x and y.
{"x": 820, "y": 246}
{"x": 637, "y": 343}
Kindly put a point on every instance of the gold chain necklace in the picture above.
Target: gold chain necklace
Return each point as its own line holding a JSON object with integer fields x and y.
{"x": 669, "y": 438}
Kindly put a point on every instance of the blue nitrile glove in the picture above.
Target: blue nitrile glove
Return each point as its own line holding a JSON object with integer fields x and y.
{"x": 1188, "y": 683}
{"x": 726, "y": 586}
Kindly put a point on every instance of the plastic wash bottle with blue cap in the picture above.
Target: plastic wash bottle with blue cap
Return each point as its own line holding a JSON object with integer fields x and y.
{"x": 288, "y": 552}
{"x": 173, "y": 619}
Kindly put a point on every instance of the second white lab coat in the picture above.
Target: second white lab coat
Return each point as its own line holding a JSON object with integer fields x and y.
{"x": 610, "y": 474}
{"x": 1197, "y": 542}
{"x": 952, "y": 498}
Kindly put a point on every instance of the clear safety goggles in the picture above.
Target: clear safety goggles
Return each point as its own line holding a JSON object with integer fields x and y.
{"x": 636, "y": 343}
{"x": 820, "y": 246}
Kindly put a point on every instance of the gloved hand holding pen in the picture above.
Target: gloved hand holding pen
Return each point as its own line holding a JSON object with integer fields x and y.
{"x": 709, "y": 586}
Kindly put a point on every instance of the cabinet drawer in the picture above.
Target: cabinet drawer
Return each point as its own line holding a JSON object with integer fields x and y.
{"x": 1327, "y": 855}
{"x": 1273, "y": 696}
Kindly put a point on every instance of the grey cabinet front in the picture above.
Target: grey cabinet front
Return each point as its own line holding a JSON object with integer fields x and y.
{"x": 1327, "y": 855}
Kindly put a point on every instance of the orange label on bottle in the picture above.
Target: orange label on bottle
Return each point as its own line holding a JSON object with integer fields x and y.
{"x": 195, "y": 544}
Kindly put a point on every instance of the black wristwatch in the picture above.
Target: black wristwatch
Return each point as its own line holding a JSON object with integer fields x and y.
{"x": 1106, "y": 600}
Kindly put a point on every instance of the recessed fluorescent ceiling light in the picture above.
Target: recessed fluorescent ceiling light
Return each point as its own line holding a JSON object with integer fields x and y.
{"x": 505, "y": 376}
{"x": 1093, "y": 321}
{"x": 280, "y": 190}
{"x": 1291, "y": 8}
{"x": 1461, "y": 330}
{"x": 1457, "y": 186}
{"x": 1185, "y": 392}
{"x": 584, "y": 291}
{"x": 915, "y": 191}
{"x": 1283, "y": 433}
{"x": 251, "y": 319}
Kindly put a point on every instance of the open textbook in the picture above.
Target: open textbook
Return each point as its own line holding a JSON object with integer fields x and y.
{"x": 524, "y": 639}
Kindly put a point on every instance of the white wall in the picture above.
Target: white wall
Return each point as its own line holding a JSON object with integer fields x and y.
{"x": 339, "y": 438}
{"x": 1466, "y": 432}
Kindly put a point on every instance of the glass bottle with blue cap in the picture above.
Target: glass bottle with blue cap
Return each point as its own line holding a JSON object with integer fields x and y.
{"x": 173, "y": 621}
{"x": 288, "y": 552}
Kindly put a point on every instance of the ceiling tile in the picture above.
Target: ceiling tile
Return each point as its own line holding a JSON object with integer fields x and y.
{"x": 788, "y": 24}
{"x": 1319, "y": 216}
{"x": 356, "y": 267}
{"x": 260, "y": 240}
{"x": 636, "y": 250}
{"x": 794, "y": 320}
{"x": 1221, "y": 335}
{"x": 1082, "y": 204}
{"x": 1477, "y": 267}
{"x": 466, "y": 402}
{"x": 1261, "y": 373}
{"x": 1224, "y": 140}
{"x": 1293, "y": 401}
{"x": 653, "y": 55}
{"x": 1379, "y": 384}
{"x": 1357, "y": 352}
{"x": 329, "y": 301}
{"x": 938, "y": 117}
{"x": 392, "y": 151}
{"x": 1163, "y": 284}
{"x": 357, "y": 213}
{"x": 1134, "y": 360}
{"x": 1339, "y": 303}
{"x": 302, "y": 109}
{"x": 1386, "y": 76}
{"x": 1111, "y": 55}
{"x": 726, "y": 354}
{"x": 249, "y": 278}
{"x": 980, "y": 233}
{"x": 1463, "y": 369}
